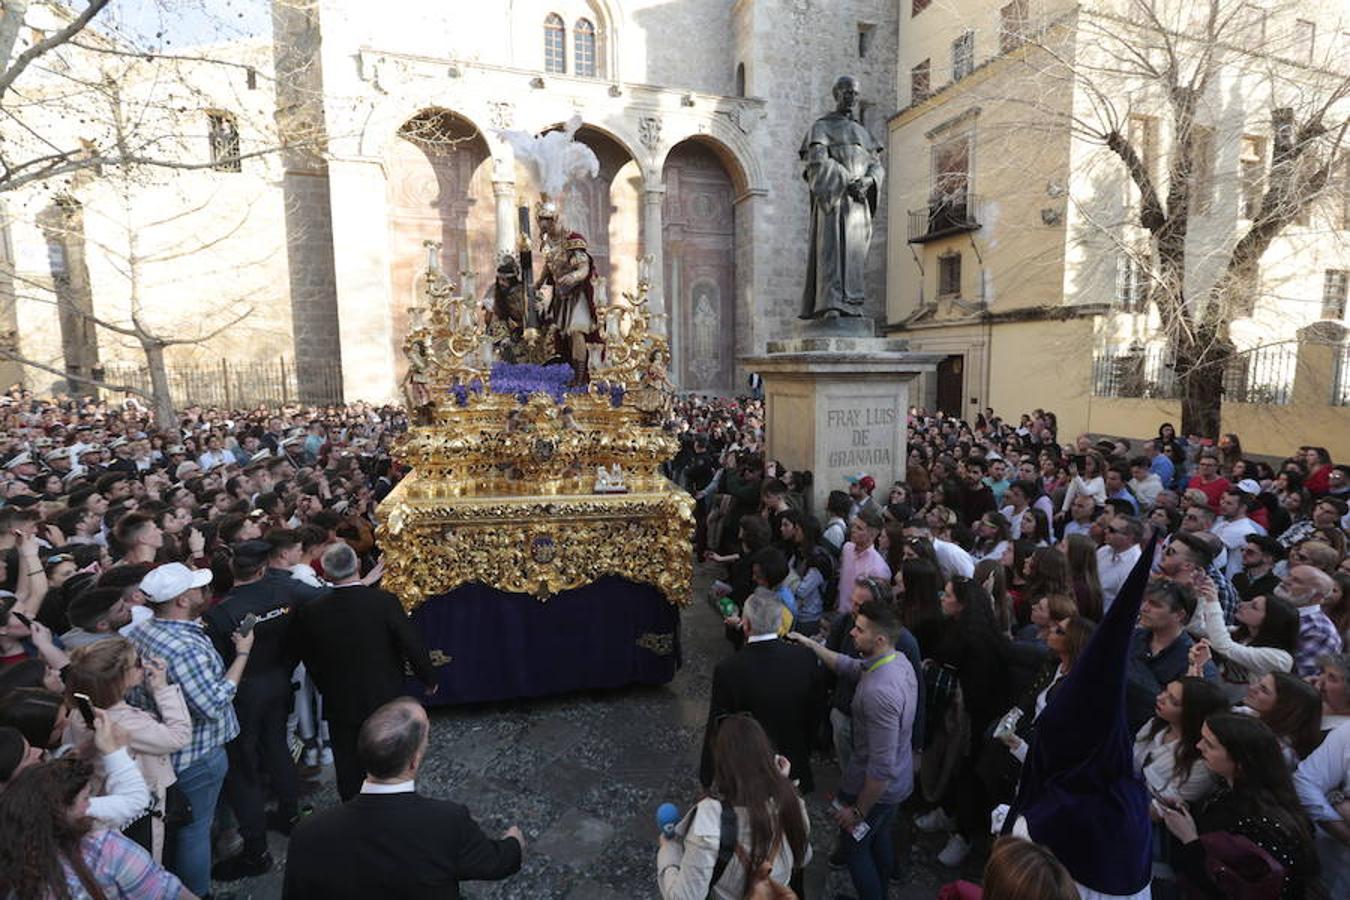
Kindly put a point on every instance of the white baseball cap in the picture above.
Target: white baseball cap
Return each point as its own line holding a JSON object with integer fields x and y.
{"x": 173, "y": 580}
{"x": 1249, "y": 486}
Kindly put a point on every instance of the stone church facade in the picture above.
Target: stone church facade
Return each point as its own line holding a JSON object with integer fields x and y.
{"x": 696, "y": 110}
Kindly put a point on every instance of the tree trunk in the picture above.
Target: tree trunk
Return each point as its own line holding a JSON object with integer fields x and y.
{"x": 1200, "y": 361}
{"x": 11, "y": 23}
{"x": 159, "y": 384}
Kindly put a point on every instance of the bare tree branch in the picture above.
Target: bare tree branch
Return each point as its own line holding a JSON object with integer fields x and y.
{"x": 24, "y": 59}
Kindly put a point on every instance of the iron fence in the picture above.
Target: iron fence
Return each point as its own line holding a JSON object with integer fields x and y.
{"x": 1135, "y": 371}
{"x": 1264, "y": 375}
{"x": 231, "y": 385}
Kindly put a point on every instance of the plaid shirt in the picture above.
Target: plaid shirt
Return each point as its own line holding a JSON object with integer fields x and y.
{"x": 118, "y": 862}
{"x": 1228, "y": 595}
{"x": 196, "y": 667}
{"x": 1316, "y": 636}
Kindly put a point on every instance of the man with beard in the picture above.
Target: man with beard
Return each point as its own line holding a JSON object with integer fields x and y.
{"x": 1306, "y": 588}
{"x": 176, "y": 636}
{"x": 508, "y": 313}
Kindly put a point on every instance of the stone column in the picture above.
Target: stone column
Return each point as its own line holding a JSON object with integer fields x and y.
{"x": 653, "y": 237}
{"x": 504, "y": 192}
{"x": 364, "y": 299}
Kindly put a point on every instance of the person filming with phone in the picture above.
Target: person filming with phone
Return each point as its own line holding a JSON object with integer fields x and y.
{"x": 879, "y": 774}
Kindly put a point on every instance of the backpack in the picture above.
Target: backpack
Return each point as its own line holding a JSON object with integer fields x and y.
{"x": 762, "y": 886}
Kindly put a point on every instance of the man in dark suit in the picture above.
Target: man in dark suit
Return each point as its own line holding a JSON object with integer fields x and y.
{"x": 781, "y": 685}
{"x": 354, "y": 642}
{"x": 390, "y": 841}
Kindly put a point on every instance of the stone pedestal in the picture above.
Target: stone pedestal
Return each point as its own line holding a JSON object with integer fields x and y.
{"x": 835, "y": 401}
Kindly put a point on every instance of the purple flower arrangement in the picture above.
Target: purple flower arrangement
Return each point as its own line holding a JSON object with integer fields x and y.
{"x": 524, "y": 379}
{"x": 461, "y": 392}
{"x": 615, "y": 392}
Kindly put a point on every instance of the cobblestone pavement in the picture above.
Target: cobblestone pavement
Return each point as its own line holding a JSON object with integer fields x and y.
{"x": 582, "y": 776}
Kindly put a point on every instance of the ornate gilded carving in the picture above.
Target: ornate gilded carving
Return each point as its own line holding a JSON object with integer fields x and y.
{"x": 538, "y": 545}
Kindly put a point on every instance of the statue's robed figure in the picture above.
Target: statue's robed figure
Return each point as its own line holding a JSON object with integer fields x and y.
{"x": 844, "y": 174}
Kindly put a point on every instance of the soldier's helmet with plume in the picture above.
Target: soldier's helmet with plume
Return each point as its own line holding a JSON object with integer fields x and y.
{"x": 556, "y": 157}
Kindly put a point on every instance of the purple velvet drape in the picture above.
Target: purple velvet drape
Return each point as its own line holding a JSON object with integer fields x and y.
{"x": 607, "y": 634}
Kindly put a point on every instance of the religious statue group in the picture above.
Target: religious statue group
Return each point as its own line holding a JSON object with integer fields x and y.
{"x": 552, "y": 317}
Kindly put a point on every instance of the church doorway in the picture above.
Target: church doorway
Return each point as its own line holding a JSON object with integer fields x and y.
{"x": 949, "y": 381}
{"x": 439, "y": 174}
{"x": 700, "y": 262}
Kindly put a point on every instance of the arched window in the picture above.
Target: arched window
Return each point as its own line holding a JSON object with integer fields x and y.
{"x": 555, "y": 41}
{"x": 583, "y": 43}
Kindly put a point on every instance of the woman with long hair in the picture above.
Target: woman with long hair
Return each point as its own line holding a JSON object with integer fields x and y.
{"x": 919, "y": 591}
{"x": 772, "y": 828}
{"x": 52, "y": 848}
{"x": 1255, "y": 800}
{"x": 1166, "y": 751}
{"x": 1045, "y": 612}
{"x": 991, "y": 537}
{"x": 1047, "y": 572}
{"x": 106, "y": 671}
{"x": 1265, "y": 639}
{"x": 1036, "y": 527}
{"x": 1292, "y": 708}
{"x": 1090, "y": 481}
{"x": 1087, "y": 585}
{"x": 971, "y": 645}
{"x": 1066, "y": 640}
{"x": 990, "y": 574}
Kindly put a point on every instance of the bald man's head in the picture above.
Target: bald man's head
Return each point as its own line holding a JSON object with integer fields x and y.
{"x": 393, "y": 740}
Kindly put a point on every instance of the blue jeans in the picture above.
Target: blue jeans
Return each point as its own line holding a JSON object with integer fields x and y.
{"x": 201, "y": 783}
{"x": 871, "y": 860}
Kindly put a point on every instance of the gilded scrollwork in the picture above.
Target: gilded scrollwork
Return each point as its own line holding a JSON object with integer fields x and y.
{"x": 538, "y": 545}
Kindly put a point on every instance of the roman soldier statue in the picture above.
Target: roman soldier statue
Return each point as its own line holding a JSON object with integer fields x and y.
{"x": 569, "y": 271}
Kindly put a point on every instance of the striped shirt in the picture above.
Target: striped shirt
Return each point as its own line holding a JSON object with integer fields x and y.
{"x": 196, "y": 667}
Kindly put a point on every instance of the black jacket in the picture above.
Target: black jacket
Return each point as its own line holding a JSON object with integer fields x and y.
{"x": 393, "y": 845}
{"x": 272, "y": 658}
{"x": 783, "y": 687}
{"x": 353, "y": 642}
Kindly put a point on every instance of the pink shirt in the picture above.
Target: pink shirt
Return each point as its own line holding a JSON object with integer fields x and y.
{"x": 854, "y": 565}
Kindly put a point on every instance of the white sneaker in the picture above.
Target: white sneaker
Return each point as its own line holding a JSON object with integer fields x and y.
{"x": 933, "y": 821}
{"x": 326, "y": 757}
{"x": 955, "y": 852}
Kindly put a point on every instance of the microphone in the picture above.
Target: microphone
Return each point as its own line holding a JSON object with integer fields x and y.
{"x": 667, "y": 814}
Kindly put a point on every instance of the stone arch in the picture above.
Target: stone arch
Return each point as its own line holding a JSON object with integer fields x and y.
{"x": 388, "y": 114}
{"x": 438, "y": 170}
{"x": 700, "y": 250}
{"x": 731, "y": 145}
{"x": 608, "y": 209}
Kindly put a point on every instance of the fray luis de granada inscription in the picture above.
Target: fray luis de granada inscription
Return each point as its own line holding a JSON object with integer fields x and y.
{"x": 859, "y": 437}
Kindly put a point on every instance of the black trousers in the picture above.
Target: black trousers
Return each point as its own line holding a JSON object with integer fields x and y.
{"x": 260, "y": 747}
{"x": 350, "y": 773}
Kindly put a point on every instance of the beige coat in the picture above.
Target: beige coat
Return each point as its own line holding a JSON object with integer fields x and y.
{"x": 151, "y": 740}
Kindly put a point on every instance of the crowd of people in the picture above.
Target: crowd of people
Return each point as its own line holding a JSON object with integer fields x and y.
{"x": 188, "y": 628}
{"x": 919, "y": 631}
{"x": 181, "y": 605}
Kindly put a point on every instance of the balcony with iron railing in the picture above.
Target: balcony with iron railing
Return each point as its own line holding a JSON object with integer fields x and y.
{"x": 944, "y": 216}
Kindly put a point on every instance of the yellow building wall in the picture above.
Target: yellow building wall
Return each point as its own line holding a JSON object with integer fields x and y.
{"x": 1016, "y": 258}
